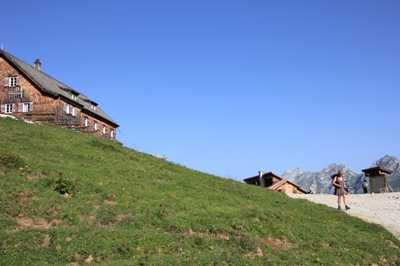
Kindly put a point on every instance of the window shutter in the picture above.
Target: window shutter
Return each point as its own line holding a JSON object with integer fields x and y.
{"x": 20, "y": 106}
{"x": 3, "y": 108}
{"x": 17, "y": 81}
{"x": 66, "y": 108}
{"x": 6, "y": 82}
{"x": 31, "y": 106}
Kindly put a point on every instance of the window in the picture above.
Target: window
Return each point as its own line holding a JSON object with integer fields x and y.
{"x": 73, "y": 97}
{"x": 104, "y": 130}
{"x": 9, "y": 108}
{"x": 11, "y": 81}
{"x": 73, "y": 111}
{"x": 95, "y": 126}
{"x": 112, "y": 133}
{"x": 18, "y": 92}
{"x": 26, "y": 107}
{"x": 69, "y": 109}
{"x": 86, "y": 122}
{"x": 66, "y": 108}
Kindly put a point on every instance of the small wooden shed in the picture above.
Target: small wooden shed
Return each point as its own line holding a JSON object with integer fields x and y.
{"x": 275, "y": 182}
{"x": 377, "y": 178}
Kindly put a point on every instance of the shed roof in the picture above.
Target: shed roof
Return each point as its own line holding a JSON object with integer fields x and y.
{"x": 379, "y": 170}
{"x": 54, "y": 87}
{"x": 264, "y": 175}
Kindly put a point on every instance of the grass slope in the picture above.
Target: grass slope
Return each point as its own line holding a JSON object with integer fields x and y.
{"x": 129, "y": 208}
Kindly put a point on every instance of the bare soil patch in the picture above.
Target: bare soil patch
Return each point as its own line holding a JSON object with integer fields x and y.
{"x": 39, "y": 223}
{"x": 383, "y": 209}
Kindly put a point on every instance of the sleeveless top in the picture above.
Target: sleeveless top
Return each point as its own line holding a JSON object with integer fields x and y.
{"x": 340, "y": 191}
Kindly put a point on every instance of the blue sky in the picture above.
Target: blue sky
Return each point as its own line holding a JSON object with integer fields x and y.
{"x": 228, "y": 87}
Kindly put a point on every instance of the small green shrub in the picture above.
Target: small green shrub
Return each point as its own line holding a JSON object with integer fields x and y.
{"x": 63, "y": 185}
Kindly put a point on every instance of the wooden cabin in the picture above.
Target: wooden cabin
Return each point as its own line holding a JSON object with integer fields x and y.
{"x": 29, "y": 93}
{"x": 377, "y": 179}
{"x": 275, "y": 182}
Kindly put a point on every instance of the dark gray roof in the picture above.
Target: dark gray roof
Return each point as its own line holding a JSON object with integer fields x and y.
{"x": 377, "y": 171}
{"x": 54, "y": 87}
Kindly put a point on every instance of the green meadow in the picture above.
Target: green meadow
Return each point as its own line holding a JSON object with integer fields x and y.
{"x": 68, "y": 198}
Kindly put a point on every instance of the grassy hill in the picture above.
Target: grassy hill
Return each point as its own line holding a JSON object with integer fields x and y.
{"x": 68, "y": 198}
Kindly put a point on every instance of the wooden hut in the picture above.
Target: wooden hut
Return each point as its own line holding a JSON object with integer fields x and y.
{"x": 275, "y": 182}
{"x": 377, "y": 178}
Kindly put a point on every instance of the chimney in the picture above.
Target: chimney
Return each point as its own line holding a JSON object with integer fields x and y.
{"x": 260, "y": 175}
{"x": 37, "y": 64}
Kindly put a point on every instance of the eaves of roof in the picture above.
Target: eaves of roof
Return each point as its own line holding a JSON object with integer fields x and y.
{"x": 56, "y": 88}
{"x": 377, "y": 169}
{"x": 264, "y": 176}
{"x": 277, "y": 184}
{"x": 282, "y": 182}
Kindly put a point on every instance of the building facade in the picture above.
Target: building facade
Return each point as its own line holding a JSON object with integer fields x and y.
{"x": 29, "y": 93}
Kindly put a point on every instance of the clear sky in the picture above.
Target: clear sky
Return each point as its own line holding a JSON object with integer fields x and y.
{"x": 227, "y": 87}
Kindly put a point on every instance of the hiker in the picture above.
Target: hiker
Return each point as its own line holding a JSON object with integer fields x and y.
{"x": 347, "y": 187}
{"x": 338, "y": 182}
{"x": 311, "y": 190}
{"x": 334, "y": 187}
{"x": 365, "y": 186}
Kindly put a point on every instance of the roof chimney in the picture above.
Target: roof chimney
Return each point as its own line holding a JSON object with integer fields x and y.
{"x": 260, "y": 175}
{"x": 37, "y": 64}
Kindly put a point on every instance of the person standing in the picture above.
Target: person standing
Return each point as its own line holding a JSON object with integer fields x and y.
{"x": 365, "y": 186}
{"x": 334, "y": 187}
{"x": 338, "y": 182}
{"x": 347, "y": 187}
{"x": 311, "y": 190}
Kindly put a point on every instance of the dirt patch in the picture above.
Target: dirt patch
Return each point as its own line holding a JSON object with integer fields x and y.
{"x": 46, "y": 241}
{"x": 222, "y": 235}
{"x": 89, "y": 260}
{"x": 278, "y": 244}
{"x": 31, "y": 176}
{"x": 273, "y": 243}
{"x": 111, "y": 202}
{"x": 217, "y": 234}
{"x": 257, "y": 253}
{"x": 37, "y": 223}
{"x": 383, "y": 208}
{"x": 67, "y": 195}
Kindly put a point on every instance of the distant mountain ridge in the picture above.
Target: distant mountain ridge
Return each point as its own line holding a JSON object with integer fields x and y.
{"x": 322, "y": 180}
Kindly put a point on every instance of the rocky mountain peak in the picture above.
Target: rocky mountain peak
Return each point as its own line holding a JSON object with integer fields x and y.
{"x": 323, "y": 183}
